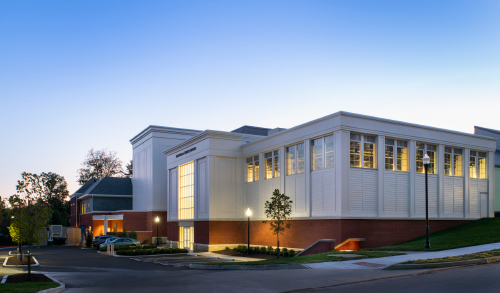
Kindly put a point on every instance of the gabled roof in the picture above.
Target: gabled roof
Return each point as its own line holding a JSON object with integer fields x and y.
{"x": 247, "y": 129}
{"x": 86, "y": 186}
{"x": 106, "y": 186}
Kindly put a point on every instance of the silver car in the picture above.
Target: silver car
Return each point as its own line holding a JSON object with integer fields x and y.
{"x": 108, "y": 241}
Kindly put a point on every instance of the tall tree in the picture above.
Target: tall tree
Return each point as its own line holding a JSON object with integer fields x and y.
{"x": 54, "y": 186}
{"x": 55, "y": 192}
{"x": 99, "y": 164}
{"x": 129, "y": 170}
{"x": 32, "y": 213}
{"x": 278, "y": 211}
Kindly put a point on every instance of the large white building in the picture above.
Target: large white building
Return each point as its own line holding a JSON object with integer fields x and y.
{"x": 348, "y": 175}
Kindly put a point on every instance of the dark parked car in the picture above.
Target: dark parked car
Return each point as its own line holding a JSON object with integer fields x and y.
{"x": 98, "y": 240}
{"x": 123, "y": 242}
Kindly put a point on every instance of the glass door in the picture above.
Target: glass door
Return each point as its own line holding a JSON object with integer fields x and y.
{"x": 186, "y": 237}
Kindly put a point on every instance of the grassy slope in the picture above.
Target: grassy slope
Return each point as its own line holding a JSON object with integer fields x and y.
{"x": 485, "y": 254}
{"x": 473, "y": 233}
{"x": 321, "y": 257}
{"x": 26, "y": 287}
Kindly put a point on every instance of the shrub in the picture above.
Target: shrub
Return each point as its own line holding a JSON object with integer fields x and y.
{"x": 291, "y": 252}
{"x": 102, "y": 248}
{"x": 133, "y": 234}
{"x": 263, "y": 250}
{"x": 146, "y": 241}
{"x": 227, "y": 248}
{"x": 88, "y": 240}
{"x": 124, "y": 233}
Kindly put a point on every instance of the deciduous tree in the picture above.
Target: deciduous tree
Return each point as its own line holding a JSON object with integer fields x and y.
{"x": 99, "y": 164}
{"x": 31, "y": 214}
{"x": 278, "y": 211}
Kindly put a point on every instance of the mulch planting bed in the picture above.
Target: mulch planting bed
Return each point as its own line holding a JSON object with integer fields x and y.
{"x": 15, "y": 252}
{"x": 234, "y": 253}
{"x": 13, "y": 261}
{"x": 19, "y": 278}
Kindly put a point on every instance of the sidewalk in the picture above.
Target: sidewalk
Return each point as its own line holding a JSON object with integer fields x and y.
{"x": 383, "y": 262}
{"x": 228, "y": 257}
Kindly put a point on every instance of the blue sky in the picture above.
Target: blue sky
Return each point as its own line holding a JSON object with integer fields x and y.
{"x": 76, "y": 75}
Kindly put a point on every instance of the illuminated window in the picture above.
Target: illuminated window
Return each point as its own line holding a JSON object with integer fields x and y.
{"x": 453, "y": 165}
{"x": 322, "y": 153}
{"x": 430, "y": 149}
{"x": 272, "y": 164}
{"x": 186, "y": 191}
{"x": 186, "y": 237}
{"x": 362, "y": 149}
{"x": 295, "y": 159}
{"x": 396, "y": 160}
{"x": 477, "y": 165}
{"x": 253, "y": 169}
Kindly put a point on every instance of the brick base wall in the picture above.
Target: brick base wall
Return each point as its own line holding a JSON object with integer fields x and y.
{"x": 305, "y": 232}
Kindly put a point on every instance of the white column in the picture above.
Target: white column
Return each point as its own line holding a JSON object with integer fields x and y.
{"x": 195, "y": 189}
{"x": 282, "y": 169}
{"x": 440, "y": 158}
{"x": 339, "y": 160}
{"x": 105, "y": 225}
{"x": 343, "y": 171}
{"x": 307, "y": 171}
{"x": 491, "y": 184}
{"x": 466, "y": 183}
{"x": 381, "y": 172}
{"x": 412, "y": 154}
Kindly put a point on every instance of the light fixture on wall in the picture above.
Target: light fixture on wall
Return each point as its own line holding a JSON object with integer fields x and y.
{"x": 248, "y": 213}
{"x": 157, "y": 220}
{"x": 426, "y": 160}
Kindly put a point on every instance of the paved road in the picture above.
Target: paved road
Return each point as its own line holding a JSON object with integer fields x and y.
{"x": 88, "y": 271}
{"x": 480, "y": 278}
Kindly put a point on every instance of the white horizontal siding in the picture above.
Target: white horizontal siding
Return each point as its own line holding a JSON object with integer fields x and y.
{"x": 323, "y": 192}
{"x": 295, "y": 188}
{"x": 396, "y": 193}
{"x": 363, "y": 190}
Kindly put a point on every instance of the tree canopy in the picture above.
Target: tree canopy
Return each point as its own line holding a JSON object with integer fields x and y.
{"x": 99, "y": 164}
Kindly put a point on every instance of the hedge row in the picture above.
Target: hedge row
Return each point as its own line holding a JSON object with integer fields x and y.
{"x": 284, "y": 252}
{"x": 152, "y": 251}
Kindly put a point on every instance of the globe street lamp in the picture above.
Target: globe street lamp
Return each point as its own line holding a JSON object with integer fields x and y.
{"x": 426, "y": 160}
{"x": 248, "y": 213}
{"x": 157, "y": 220}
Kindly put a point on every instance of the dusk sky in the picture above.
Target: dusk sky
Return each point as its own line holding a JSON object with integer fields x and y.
{"x": 76, "y": 75}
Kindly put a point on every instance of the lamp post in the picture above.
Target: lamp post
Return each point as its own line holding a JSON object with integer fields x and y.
{"x": 248, "y": 213}
{"x": 426, "y": 160}
{"x": 157, "y": 220}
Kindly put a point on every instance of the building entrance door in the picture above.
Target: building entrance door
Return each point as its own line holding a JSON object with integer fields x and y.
{"x": 484, "y": 204}
{"x": 186, "y": 237}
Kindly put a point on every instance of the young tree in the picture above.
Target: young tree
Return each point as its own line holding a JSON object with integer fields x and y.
{"x": 278, "y": 212}
{"x": 32, "y": 212}
{"x": 99, "y": 164}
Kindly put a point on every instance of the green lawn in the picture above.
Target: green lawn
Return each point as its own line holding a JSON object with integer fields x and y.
{"x": 479, "y": 255}
{"x": 321, "y": 257}
{"x": 26, "y": 287}
{"x": 477, "y": 232}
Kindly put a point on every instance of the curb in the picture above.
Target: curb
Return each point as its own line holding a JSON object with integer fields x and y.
{"x": 56, "y": 289}
{"x": 443, "y": 264}
{"x": 248, "y": 267}
{"x": 51, "y": 290}
{"x": 11, "y": 253}
{"x": 36, "y": 264}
